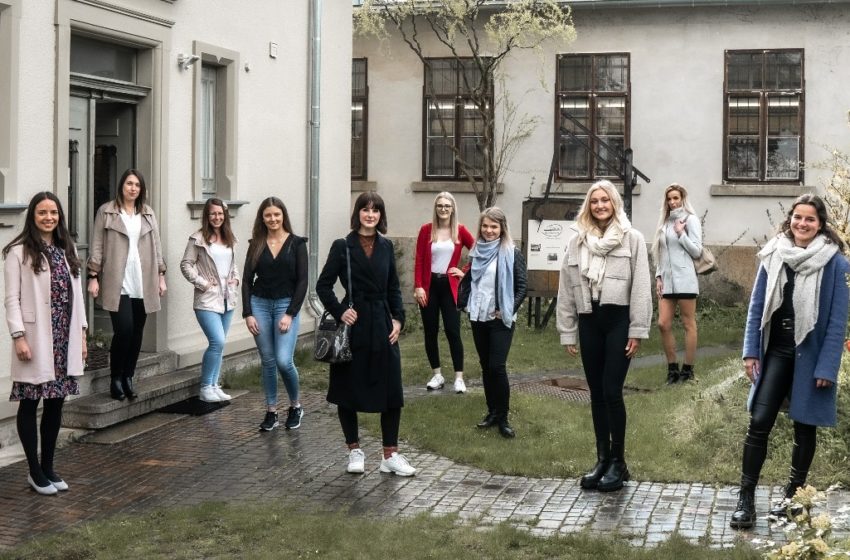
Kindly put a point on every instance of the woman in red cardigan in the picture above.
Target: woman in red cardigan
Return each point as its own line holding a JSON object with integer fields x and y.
{"x": 436, "y": 280}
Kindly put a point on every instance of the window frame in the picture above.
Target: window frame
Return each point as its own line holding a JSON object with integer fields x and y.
{"x": 364, "y": 137}
{"x": 764, "y": 94}
{"x": 458, "y": 101}
{"x": 591, "y": 95}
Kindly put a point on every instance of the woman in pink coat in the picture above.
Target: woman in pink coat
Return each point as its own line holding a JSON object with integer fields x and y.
{"x": 46, "y": 317}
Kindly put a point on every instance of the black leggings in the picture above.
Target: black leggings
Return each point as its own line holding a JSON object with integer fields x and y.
{"x": 51, "y": 419}
{"x": 441, "y": 300}
{"x": 493, "y": 342}
{"x": 128, "y": 326}
{"x": 390, "y": 421}
{"x": 777, "y": 373}
{"x": 603, "y": 335}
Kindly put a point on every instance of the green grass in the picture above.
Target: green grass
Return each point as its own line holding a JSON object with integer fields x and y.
{"x": 270, "y": 530}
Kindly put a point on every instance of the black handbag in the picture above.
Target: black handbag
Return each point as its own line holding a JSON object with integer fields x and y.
{"x": 463, "y": 291}
{"x": 333, "y": 339}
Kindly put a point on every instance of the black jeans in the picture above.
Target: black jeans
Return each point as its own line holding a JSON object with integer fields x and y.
{"x": 602, "y": 336}
{"x": 390, "y": 421}
{"x": 128, "y": 326}
{"x": 441, "y": 300}
{"x": 493, "y": 342}
{"x": 777, "y": 372}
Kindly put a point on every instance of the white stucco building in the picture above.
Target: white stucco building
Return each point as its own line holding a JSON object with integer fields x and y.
{"x": 205, "y": 98}
{"x": 723, "y": 97}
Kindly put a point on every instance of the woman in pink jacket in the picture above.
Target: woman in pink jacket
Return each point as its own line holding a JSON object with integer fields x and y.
{"x": 46, "y": 317}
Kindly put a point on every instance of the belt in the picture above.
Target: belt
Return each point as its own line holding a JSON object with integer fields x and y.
{"x": 786, "y": 324}
{"x": 438, "y": 275}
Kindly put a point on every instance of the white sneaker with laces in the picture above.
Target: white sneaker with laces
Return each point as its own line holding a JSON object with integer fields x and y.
{"x": 208, "y": 394}
{"x": 221, "y": 394}
{"x": 397, "y": 464}
{"x": 436, "y": 382}
{"x": 356, "y": 461}
{"x": 460, "y": 386}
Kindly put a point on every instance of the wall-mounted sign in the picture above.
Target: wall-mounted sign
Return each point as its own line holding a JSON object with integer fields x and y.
{"x": 547, "y": 243}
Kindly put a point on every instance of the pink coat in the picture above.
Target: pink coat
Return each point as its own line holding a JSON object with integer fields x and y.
{"x": 28, "y": 310}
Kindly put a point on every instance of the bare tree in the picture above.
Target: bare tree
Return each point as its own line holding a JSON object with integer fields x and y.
{"x": 477, "y": 36}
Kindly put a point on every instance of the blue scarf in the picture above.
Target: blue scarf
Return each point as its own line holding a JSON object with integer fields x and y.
{"x": 483, "y": 253}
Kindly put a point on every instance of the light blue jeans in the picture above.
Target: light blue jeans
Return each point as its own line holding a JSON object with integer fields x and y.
{"x": 276, "y": 348}
{"x": 215, "y": 327}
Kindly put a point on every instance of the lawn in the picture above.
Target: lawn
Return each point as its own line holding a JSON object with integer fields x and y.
{"x": 274, "y": 530}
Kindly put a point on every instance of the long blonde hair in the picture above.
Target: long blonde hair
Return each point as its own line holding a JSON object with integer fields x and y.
{"x": 665, "y": 213}
{"x": 435, "y": 221}
{"x": 585, "y": 220}
{"x": 496, "y": 214}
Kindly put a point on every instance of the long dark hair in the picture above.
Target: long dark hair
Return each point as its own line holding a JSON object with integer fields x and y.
{"x": 30, "y": 237}
{"x": 260, "y": 231}
{"x": 369, "y": 199}
{"x": 225, "y": 233}
{"x": 817, "y": 203}
{"x": 143, "y": 190}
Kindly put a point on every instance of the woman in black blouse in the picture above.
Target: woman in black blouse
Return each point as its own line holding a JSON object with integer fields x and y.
{"x": 273, "y": 288}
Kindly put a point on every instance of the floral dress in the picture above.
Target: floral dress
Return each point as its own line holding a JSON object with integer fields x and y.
{"x": 60, "y": 313}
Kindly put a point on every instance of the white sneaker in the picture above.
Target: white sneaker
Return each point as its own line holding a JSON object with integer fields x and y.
{"x": 208, "y": 394}
{"x": 436, "y": 382}
{"x": 397, "y": 464}
{"x": 460, "y": 386}
{"x": 221, "y": 394}
{"x": 356, "y": 461}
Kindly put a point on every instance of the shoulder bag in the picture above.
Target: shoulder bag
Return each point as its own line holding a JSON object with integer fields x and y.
{"x": 705, "y": 263}
{"x": 333, "y": 339}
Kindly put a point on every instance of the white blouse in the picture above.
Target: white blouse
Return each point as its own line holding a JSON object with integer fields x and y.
{"x": 132, "y": 285}
{"x": 441, "y": 255}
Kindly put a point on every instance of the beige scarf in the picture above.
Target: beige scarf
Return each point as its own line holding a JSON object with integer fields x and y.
{"x": 594, "y": 247}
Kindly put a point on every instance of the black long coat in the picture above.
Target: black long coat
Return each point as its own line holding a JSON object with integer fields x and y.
{"x": 371, "y": 382}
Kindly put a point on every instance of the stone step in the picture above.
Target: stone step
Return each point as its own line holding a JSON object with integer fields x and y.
{"x": 99, "y": 410}
{"x": 149, "y": 365}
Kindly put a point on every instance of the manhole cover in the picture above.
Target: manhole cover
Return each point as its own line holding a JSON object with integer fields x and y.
{"x": 565, "y": 388}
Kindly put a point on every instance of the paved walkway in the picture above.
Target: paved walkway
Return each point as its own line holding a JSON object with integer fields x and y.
{"x": 222, "y": 456}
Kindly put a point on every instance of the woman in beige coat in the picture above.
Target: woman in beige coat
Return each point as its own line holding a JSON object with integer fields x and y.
{"x": 209, "y": 264}
{"x": 46, "y": 317}
{"x": 126, "y": 274}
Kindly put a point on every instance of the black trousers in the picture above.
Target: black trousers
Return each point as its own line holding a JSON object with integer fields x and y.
{"x": 602, "y": 336}
{"x": 51, "y": 419}
{"x": 493, "y": 342}
{"x": 441, "y": 301}
{"x": 390, "y": 421}
{"x": 128, "y": 326}
{"x": 777, "y": 373}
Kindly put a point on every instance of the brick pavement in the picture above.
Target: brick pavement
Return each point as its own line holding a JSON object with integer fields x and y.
{"x": 221, "y": 456}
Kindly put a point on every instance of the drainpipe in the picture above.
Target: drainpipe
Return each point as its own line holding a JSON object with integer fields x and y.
{"x": 313, "y": 149}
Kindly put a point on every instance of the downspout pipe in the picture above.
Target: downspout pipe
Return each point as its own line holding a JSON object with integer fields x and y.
{"x": 314, "y": 154}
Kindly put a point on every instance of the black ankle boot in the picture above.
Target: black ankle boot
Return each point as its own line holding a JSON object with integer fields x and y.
{"x": 672, "y": 373}
{"x": 127, "y": 385}
{"x": 745, "y": 512}
{"x": 614, "y": 477}
{"x": 489, "y": 421}
{"x": 796, "y": 479}
{"x": 116, "y": 391}
{"x": 687, "y": 373}
{"x": 603, "y": 460}
{"x": 505, "y": 429}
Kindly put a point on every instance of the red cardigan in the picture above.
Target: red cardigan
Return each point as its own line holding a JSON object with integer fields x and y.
{"x": 422, "y": 271}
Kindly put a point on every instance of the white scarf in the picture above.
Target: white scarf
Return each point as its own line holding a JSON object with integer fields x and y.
{"x": 593, "y": 251}
{"x": 807, "y": 264}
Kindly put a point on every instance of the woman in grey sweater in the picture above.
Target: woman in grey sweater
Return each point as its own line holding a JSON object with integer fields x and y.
{"x": 678, "y": 241}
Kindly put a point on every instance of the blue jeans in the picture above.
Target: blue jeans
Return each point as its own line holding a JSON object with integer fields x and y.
{"x": 215, "y": 327}
{"x": 276, "y": 348}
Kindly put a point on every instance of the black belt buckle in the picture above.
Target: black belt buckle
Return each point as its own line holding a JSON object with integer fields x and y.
{"x": 438, "y": 275}
{"x": 786, "y": 324}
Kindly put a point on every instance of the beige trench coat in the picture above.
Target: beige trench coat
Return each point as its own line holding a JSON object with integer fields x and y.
{"x": 28, "y": 310}
{"x": 108, "y": 256}
{"x": 199, "y": 269}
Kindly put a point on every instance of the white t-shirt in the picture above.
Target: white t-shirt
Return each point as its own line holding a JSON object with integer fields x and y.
{"x": 132, "y": 285}
{"x": 441, "y": 255}
{"x": 222, "y": 256}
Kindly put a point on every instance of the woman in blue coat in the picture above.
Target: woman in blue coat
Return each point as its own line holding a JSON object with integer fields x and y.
{"x": 793, "y": 344}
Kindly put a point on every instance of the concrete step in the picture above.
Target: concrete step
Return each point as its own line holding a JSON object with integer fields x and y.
{"x": 99, "y": 410}
{"x": 149, "y": 365}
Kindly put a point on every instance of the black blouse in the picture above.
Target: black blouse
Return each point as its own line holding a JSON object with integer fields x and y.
{"x": 284, "y": 276}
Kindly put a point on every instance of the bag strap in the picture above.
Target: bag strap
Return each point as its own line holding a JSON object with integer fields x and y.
{"x": 348, "y": 274}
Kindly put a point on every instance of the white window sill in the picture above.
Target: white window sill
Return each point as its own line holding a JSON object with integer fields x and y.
{"x": 197, "y": 207}
{"x": 582, "y": 188}
{"x": 358, "y": 185}
{"x": 761, "y": 189}
{"x": 449, "y": 186}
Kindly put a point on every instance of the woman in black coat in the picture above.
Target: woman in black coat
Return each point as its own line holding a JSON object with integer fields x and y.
{"x": 371, "y": 382}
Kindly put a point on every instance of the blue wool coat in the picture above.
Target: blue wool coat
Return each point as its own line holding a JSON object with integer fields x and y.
{"x": 819, "y": 355}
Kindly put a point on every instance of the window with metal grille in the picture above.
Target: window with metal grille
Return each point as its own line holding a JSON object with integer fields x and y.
{"x": 763, "y": 109}
{"x": 359, "y": 120}
{"x": 593, "y": 89}
{"x": 454, "y": 126}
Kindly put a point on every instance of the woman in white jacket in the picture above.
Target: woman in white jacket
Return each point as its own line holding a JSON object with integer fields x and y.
{"x": 678, "y": 241}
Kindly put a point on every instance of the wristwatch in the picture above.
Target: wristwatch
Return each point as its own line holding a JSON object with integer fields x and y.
{"x": 17, "y": 334}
